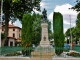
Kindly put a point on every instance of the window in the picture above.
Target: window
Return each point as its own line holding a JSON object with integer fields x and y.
{"x": 13, "y": 29}
{"x": 13, "y": 35}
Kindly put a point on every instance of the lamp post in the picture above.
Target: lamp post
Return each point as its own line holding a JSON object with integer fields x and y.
{"x": 70, "y": 32}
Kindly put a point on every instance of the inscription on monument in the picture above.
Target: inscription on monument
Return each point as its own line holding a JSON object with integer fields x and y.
{"x": 44, "y": 38}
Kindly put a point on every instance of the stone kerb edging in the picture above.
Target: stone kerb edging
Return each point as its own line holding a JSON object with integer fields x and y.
{"x": 25, "y": 58}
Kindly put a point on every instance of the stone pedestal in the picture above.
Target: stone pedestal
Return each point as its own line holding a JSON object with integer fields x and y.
{"x": 44, "y": 49}
{"x": 44, "y": 37}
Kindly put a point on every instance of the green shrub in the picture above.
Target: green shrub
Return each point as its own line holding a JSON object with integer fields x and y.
{"x": 27, "y": 51}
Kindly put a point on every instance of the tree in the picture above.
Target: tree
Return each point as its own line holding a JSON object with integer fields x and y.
{"x": 58, "y": 32}
{"x": 78, "y": 26}
{"x": 36, "y": 28}
{"x": 2, "y": 36}
{"x": 27, "y": 26}
{"x": 50, "y": 33}
{"x": 27, "y": 30}
{"x": 16, "y": 9}
{"x": 77, "y": 6}
{"x": 69, "y": 33}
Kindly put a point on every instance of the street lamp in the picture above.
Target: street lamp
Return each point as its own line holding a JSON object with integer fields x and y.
{"x": 70, "y": 32}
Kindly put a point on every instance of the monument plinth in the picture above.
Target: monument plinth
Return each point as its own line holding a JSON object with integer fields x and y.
{"x": 44, "y": 36}
{"x": 44, "y": 49}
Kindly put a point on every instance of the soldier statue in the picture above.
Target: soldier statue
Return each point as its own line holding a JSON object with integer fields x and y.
{"x": 44, "y": 16}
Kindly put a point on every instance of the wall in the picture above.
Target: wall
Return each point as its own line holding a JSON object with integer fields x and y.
{"x": 16, "y": 32}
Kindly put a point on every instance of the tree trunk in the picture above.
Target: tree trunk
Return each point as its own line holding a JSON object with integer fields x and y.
{"x": 6, "y": 13}
{"x": 6, "y": 26}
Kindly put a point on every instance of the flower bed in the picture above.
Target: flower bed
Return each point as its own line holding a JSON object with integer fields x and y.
{"x": 13, "y": 54}
{"x": 73, "y": 54}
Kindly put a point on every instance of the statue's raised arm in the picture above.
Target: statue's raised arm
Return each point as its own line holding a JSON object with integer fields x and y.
{"x": 44, "y": 16}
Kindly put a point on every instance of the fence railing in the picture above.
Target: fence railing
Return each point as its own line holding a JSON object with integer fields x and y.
{"x": 7, "y": 50}
{"x": 77, "y": 48}
{"x": 16, "y": 51}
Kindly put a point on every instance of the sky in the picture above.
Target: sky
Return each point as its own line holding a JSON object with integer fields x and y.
{"x": 61, "y": 6}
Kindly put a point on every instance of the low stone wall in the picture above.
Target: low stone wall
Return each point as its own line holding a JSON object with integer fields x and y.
{"x": 42, "y": 54}
{"x": 25, "y": 58}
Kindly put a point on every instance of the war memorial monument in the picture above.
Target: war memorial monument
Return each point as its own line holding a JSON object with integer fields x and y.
{"x": 44, "y": 49}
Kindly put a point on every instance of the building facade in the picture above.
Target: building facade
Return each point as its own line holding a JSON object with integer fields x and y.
{"x": 14, "y": 35}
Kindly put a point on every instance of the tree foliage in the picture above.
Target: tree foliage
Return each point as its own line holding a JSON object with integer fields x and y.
{"x": 78, "y": 26}
{"x": 27, "y": 30}
{"x": 50, "y": 33}
{"x": 70, "y": 32}
{"x": 16, "y": 9}
{"x": 77, "y": 6}
{"x": 36, "y": 28}
{"x": 58, "y": 32}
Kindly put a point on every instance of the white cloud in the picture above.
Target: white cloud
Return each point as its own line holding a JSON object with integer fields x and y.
{"x": 36, "y": 11}
{"x": 65, "y": 22}
{"x": 17, "y": 23}
{"x": 73, "y": 24}
{"x": 50, "y": 17}
{"x": 42, "y": 4}
{"x": 65, "y": 29}
{"x": 64, "y": 9}
{"x": 67, "y": 13}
